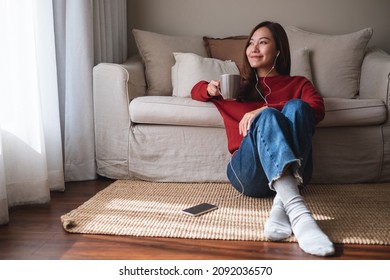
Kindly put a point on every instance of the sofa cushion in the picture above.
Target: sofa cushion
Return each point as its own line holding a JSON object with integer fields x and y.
{"x": 191, "y": 68}
{"x": 353, "y": 112}
{"x": 300, "y": 63}
{"x": 336, "y": 59}
{"x": 157, "y": 51}
{"x": 185, "y": 111}
{"x": 174, "y": 111}
{"x": 229, "y": 48}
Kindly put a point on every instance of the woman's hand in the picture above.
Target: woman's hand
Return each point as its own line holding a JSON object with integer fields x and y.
{"x": 247, "y": 119}
{"x": 213, "y": 88}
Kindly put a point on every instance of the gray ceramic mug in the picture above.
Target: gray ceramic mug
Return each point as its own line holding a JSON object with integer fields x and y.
{"x": 229, "y": 85}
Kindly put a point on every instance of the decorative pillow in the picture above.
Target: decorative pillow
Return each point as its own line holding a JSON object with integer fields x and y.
{"x": 190, "y": 68}
{"x": 157, "y": 50}
{"x": 229, "y": 48}
{"x": 300, "y": 63}
{"x": 336, "y": 59}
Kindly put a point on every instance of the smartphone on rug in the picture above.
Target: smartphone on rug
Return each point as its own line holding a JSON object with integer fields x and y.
{"x": 200, "y": 209}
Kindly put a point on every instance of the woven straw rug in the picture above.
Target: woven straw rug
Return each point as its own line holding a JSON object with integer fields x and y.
{"x": 355, "y": 214}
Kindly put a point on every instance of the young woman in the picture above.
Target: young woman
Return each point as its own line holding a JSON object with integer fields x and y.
{"x": 269, "y": 129}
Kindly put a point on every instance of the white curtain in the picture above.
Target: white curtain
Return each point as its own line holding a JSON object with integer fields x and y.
{"x": 30, "y": 141}
{"x": 47, "y": 52}
{"x": 88, "y": 32}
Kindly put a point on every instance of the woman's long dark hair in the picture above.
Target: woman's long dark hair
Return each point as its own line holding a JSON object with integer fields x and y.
{"x": 283, "y": 62}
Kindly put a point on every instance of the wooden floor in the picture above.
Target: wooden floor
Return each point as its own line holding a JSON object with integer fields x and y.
{"x": 35, "y": 232}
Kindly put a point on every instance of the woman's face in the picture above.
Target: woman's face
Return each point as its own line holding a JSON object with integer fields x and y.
{"x": 261, "y": 51}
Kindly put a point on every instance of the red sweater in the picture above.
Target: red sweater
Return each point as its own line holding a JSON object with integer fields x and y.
{"x": 283, "y": 88}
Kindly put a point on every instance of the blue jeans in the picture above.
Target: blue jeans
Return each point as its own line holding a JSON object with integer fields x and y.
{"x": 276, "y": 140}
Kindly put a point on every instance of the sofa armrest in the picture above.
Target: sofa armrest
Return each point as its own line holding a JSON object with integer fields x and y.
{"x": 114, "y": 86}
{"x": 129, "y": 78}
{"x": 137, "y": 81}
{"x": 375, "y": 76}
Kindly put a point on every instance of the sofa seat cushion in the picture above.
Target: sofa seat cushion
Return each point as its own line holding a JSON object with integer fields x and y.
{"x": 174, "y": 111}
{"x": 353, "y": 112}
{"x": 171, "y": 110}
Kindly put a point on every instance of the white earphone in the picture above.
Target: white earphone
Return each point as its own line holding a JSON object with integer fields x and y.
{"x": 276, "y": 58}
{"x": 257, "y": 80}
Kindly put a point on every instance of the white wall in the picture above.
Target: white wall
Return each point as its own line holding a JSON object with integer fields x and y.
{"x": 220, "y": 18}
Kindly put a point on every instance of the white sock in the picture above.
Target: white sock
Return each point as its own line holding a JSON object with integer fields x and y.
{"x": 310, "y": 237}
{"x": 278, "y": 226}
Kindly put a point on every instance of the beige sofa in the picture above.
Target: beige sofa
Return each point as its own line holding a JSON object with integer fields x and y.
{"x": 148, "y": 127}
